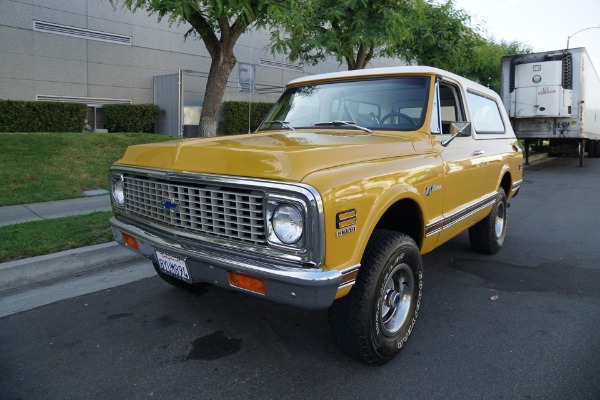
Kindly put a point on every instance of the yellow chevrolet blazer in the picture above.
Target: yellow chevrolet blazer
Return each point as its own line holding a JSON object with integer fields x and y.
{"x": 331, "y": 203}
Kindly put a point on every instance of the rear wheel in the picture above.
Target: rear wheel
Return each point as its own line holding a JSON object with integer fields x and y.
{"x": 487, "y": 236}
{"x": 373, "y": 322}
{"x": 596, "y": 144}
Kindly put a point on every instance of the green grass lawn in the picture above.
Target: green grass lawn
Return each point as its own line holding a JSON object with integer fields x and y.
{"x": 36, "y": 167}
{"x": 50, "y": 236}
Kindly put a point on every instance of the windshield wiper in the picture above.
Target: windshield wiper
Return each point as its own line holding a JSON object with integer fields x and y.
{"x": 284, "y": 124}
{"x": 343, "y": 123}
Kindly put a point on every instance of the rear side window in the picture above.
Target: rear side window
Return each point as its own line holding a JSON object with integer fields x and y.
{"x": 485, "y": 114}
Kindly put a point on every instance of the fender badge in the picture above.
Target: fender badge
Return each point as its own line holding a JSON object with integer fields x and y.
{"x": 345, "y": 222}
{"x": 432, "y": 188}
{"x": 169, "y": 204}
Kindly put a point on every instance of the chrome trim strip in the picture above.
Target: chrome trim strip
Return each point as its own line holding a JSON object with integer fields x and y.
{"x": 446, "y": 222}
{"x": 314, "y": 253}
{"x": 517, "y": 185}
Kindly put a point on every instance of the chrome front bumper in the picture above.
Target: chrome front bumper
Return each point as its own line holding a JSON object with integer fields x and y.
{"x": 310, "y": 288}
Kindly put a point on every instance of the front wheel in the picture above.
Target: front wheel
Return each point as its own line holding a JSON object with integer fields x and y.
{"x": 373, "y": 322}
{"x": 487, "y": 236}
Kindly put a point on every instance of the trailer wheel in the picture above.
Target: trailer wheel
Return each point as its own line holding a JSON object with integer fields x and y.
{"x": 596, "y": 145}
{"x": 487, "y": 236}
{"x": 373, "y": 322}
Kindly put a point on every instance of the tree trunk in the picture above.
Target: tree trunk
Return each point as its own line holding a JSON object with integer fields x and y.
{"x": 220, "y": 69}
{"x": 223, "y": 62}
{"x": 363, "y": 56}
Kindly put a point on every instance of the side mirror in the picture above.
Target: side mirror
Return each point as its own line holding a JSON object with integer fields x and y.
{"x": 458, "y": 129}
{"x": 461, "y": 129}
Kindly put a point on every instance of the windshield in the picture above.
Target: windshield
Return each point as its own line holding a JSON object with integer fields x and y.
{"x": 392, "y": 103}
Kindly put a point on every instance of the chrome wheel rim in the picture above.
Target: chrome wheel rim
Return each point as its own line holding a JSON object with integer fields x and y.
{"x": 397, "y": 297}
{"x": 500, "y": 220}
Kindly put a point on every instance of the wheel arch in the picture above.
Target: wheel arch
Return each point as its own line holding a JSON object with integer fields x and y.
{"x": 403, "y": 216}
{"x": 506, "y": 183}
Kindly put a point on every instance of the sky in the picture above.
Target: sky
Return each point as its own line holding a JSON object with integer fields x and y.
{"x": 542, "y": 24}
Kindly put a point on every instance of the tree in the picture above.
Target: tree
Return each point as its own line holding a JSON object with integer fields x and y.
{"x": 355, "y": 31}
{"x": 441, "y": 36}
{"x": 219, "y": 23}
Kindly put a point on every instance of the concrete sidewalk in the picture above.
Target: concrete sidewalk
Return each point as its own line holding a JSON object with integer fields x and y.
{"x": 11, "y": 215}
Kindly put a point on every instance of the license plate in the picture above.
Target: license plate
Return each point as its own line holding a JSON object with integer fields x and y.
{"x": 173, "y": 266}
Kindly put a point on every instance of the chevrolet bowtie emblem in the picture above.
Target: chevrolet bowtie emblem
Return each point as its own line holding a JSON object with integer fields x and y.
{"x": 169, "y": 204}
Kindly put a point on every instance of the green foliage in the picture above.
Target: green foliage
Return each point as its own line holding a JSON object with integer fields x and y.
{"x": 355, "y": 31}
{"x": 235, "y": 114}
{"x": 131, "y": 117}
{"x": 352, "y": 31}
{"x": 34, "y": 116}
{"x": 441, "y": 35}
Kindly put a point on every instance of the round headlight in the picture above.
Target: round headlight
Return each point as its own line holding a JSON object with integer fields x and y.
{"x": 287, "y": 223}
{"x": 118, "y": 190}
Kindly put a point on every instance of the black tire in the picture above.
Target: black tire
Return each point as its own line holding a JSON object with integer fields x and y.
{"x": 596, "y": 144}
{"x": 487, "y": 236}
{"x": 171, "y": 279}
{"x": 373, "y": 322}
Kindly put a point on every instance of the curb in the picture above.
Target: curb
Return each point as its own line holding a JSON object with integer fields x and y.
{"x": 29, "y": 271}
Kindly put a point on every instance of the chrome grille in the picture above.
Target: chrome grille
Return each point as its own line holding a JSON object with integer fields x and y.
{"x": 219, "y": 211}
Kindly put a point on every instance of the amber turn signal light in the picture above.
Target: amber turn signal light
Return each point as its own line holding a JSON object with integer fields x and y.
{"x": 131, "y": 241}
{"x": 247, "y": 282}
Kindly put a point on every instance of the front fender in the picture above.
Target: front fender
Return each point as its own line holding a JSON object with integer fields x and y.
{"x": 367, "y": 191}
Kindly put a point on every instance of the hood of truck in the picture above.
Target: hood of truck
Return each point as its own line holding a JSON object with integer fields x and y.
{"x": 287, "y": 156}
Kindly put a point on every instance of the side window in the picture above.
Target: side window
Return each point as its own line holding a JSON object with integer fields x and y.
{"x": 450, "y": 106}
{"x": 485, "y": 114}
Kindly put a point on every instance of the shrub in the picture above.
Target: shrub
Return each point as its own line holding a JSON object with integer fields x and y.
{"x": 235, "y": 115}
{"x": 38, "y": 116}
{"x": 131, "y": 117}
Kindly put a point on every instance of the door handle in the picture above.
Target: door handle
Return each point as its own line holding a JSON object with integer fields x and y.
{"x": 478, "y": 152}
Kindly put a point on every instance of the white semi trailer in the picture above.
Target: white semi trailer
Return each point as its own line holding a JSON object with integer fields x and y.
{"x": 555, "y": 96}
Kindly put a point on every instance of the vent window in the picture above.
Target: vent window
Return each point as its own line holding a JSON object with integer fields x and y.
{"x": 81, "y": 33}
